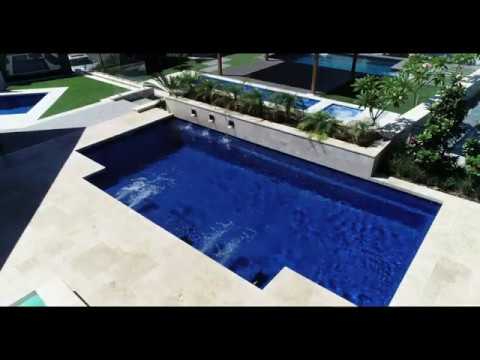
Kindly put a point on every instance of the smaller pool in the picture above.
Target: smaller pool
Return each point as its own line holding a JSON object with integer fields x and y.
{"x": 342, "y": 112}
{"x": 302, "y": 103}
{"x": 11, "y": 104}
{"x": 30, "y": 300}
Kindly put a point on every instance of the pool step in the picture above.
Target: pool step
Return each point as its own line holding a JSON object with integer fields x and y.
{"x": 146, "y": 105}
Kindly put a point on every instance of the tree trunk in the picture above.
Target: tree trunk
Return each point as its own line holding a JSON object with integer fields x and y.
{"x": 64, "y": 62}
{"x": 101, "y": 62}
{"x": 314, "y": 72}
{"x": 154, "y": 63}
{"x": 220, "y": 67}
{"x": 354, "y": 64}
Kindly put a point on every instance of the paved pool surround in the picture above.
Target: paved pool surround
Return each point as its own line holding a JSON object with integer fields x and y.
{"x": 112, "y": 255}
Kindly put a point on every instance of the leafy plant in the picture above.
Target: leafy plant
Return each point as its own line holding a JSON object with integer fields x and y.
{"x": 431, "y": 146}
{"x": 251, "y": 102}
{"x": 284, "y": 100}
{"x": 465, "y": 59}
{"x": 471, "y": 147}
{"x": 423, "y": 70}
{"x": 361, "y": 133}
{"x": 377, "y": 94}
{"x": 233, "y": 92}
{"x": 472, "y": 166}
{"x": 320, "y": 125}
{"x": 175, "y": 85}
{"x": 204, "y": 91}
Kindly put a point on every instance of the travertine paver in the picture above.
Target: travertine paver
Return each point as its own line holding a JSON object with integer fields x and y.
{"x": 114, "y": 256}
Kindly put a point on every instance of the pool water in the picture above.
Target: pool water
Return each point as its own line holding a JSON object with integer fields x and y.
{"x": 301, "y": 103}
{"x": 31, "y": 300}
{"x": 18, "y": 103}
{"x": 366, "y": 65}
{"x": 341, "y": 112}
{"x": 255, "y": 210}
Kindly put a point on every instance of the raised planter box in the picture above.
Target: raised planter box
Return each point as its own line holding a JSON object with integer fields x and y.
{"x": 333, "y": 153}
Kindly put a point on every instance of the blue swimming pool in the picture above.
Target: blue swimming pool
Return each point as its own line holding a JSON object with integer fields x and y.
{"x": 30, "y": 300}
{"x": 302, "y": 103}
{"x": 342, "y": 112}
{"x": 11, "y": 104}
{"x": 366, "y": 65}
{"x": 256, "y": 211}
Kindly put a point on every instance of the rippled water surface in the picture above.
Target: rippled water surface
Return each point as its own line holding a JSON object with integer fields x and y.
{"x": 255, "y": 210}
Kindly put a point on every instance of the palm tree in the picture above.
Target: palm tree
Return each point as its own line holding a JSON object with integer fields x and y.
{"x": 220, "y": 65}
{"x": 314, "y": 71}
{"x": 179, "y": 85}
{"x": 320, "y": 124}
{"x": 205, "y": 91}
{"x": 285, "y": 100}
{"x": 251, "y": 102}
{"x": 234, "y": 91}
{"x": 101, "y": 61}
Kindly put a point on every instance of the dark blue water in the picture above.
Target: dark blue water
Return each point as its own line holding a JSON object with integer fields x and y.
{"x": 301, "y": 103}
{"x": 256, "y": 210}
{"x": 366, "y": 65}
{"x": 18, "y": 104}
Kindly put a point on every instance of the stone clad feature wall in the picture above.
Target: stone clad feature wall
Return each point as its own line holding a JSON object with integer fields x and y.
{"x": 332, "y": 153}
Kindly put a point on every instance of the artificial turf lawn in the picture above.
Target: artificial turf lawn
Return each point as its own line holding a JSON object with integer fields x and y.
{"x": 81, "y": 91}
{"x": 242, "y": 59}
{"x": 200, "y": 64}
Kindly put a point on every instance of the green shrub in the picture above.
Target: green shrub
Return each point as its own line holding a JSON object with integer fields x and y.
{"x": 360, "y": 133}
{"x": 251, "y": 103}
{"x": 320, "y": 125}
{"x": 379, "y": 93}
{"x": 402, "y": 166}
{"x": 471, "y": 147}
{"x": 430, "y": 148}
{"x": 179, "y": 85}
{"x": 468, "y": 187}
{"x": 464, "y": 59}
{"x": 284, "y": 101}
{"x": 233, "y": 91}
{"x": 472, "y": 166}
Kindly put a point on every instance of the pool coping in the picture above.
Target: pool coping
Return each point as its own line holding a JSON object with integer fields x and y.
{"x": 428, "y": 256}
{"x": 445, "y": 270}
{"x": 278, "y": 285}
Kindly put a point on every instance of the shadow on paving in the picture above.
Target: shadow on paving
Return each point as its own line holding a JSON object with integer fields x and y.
{"x": 300, "y": 76}
{"x": 28, "y": 168}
